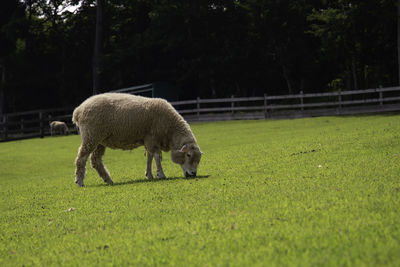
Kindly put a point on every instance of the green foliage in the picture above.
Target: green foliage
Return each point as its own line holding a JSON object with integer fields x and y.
{"x": 347, "y": 30}
{"x": 320, "y": 191}
{"x": 206, "y": 48}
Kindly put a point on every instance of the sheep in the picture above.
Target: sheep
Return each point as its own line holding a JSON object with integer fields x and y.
{"x": 58, "y": 127}
{"x": 125, "y": 121}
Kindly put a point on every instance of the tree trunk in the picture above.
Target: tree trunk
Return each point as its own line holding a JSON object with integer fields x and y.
{"x": 354, "y": 72}
{"x": 98, "y": 47}
{"x": 281, "y": 53}
{"x": 29, "y": 42}
{"x": 398, "y": 37}
{"x": 2, "y": 85}
{"x": 213, "y": 91}
{"x": 348, "y": 76}
{"x": 286, "y": 75}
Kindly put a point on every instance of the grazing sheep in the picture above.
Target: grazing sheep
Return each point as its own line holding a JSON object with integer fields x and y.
{"x": 124, "y": 121}
{"x": 58, "y": 127}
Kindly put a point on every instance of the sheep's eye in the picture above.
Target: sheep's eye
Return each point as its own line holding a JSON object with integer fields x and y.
{"x": 188, "y": 155}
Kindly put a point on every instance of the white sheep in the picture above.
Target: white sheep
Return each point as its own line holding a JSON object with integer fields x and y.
{"x": 58, "y": 127}
{"x": 124, "y": 121}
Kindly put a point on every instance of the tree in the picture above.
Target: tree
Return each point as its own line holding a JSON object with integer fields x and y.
{"x": 98, "y": 48}
{"x": 208, "y": 48}
{"x": 398, "y": 39}
{"x": 12, "y": 18}
{"x": 2, "y": 84}
{"x": 358, "y": 39}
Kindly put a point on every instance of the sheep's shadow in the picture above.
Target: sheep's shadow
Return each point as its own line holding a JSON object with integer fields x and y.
{"x": 155, "y": 180}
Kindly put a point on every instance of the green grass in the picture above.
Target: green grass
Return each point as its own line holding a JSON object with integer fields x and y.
{"x": 320, "y": 191}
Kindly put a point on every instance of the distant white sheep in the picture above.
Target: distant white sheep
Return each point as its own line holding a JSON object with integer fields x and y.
{"x": 124, "y": 121}
{"x": 58, "y": 127}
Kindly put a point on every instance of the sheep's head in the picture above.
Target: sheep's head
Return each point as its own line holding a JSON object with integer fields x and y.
{"x": 189, "y": 158}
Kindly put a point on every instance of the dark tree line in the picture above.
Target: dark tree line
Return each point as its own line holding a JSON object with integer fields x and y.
{"x": 205, "y": 48}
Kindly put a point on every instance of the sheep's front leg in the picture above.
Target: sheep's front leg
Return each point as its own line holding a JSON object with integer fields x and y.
{"x": 80, "y": 162}
{"x": 160, "y": 172}
{"x": 149, "y": 173}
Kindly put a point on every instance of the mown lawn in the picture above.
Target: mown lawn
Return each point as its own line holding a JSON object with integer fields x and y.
{"x": 319, "y": 191}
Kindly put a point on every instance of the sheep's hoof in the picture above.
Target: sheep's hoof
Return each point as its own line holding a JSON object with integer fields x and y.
{"x": 149, "y": 176}
{"x": 161, "y": 176}
{"x": 109, "y": 181}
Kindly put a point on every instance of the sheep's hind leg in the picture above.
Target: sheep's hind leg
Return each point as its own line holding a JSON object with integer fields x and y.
{"x": 160, "y": 172}
{"x": 98, "y": 165}
{"x": 149, "y": 173}
{"x": 80, "y": 162}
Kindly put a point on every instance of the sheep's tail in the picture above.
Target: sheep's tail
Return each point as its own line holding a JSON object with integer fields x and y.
{"x": 76, "y": 116}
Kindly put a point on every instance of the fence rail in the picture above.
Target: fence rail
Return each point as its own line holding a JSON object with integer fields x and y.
{"x": 35, "y": 123}
{"x": 146, "y": 88}
{"x": 292, "y": 106}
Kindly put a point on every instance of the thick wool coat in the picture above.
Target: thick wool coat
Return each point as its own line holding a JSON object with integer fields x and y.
{"x": 125, "y": 121}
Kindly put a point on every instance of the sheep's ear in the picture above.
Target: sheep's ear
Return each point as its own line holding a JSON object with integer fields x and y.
{"x": 184, "y": 149}
{"x": 178, "y": 157}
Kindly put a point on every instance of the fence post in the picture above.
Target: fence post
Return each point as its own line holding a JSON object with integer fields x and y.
{"x": 340, "y": 100}
{"x": 265, "y": 106}
{"x": 5, "y": 127}
{"x": 198, "y": 108}
{"x": 41, "y": 124}
{"x": 232, "y": 104}
{"x": 380, "y": 96}
{"x": 22, "y": 126}
{"x": 301, "y": 101}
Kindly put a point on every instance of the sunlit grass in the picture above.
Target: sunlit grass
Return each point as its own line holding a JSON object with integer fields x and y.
{"x": 320, "y": 191}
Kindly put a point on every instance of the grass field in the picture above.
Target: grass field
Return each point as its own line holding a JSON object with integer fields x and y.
{"x": 319, "y": 191}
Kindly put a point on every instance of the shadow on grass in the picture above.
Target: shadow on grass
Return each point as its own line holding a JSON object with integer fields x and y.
{"x": 155, "y": 180}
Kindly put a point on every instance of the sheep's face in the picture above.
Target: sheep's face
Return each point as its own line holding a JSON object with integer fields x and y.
{"x": 189, "y": 158}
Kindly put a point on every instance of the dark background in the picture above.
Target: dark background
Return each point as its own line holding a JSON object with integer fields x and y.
{"x": 204, "y": 48}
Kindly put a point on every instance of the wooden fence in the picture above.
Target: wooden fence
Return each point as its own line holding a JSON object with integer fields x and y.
{"x": 292, "y": 106}
{"x": 36, "y": 123}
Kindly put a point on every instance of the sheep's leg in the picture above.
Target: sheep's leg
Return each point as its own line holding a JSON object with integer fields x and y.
{"x": 98, "y": 165}
{"x": 160, "y": 172}
{"x": 149, "y": 173}
{"x": 80, "y": 162}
